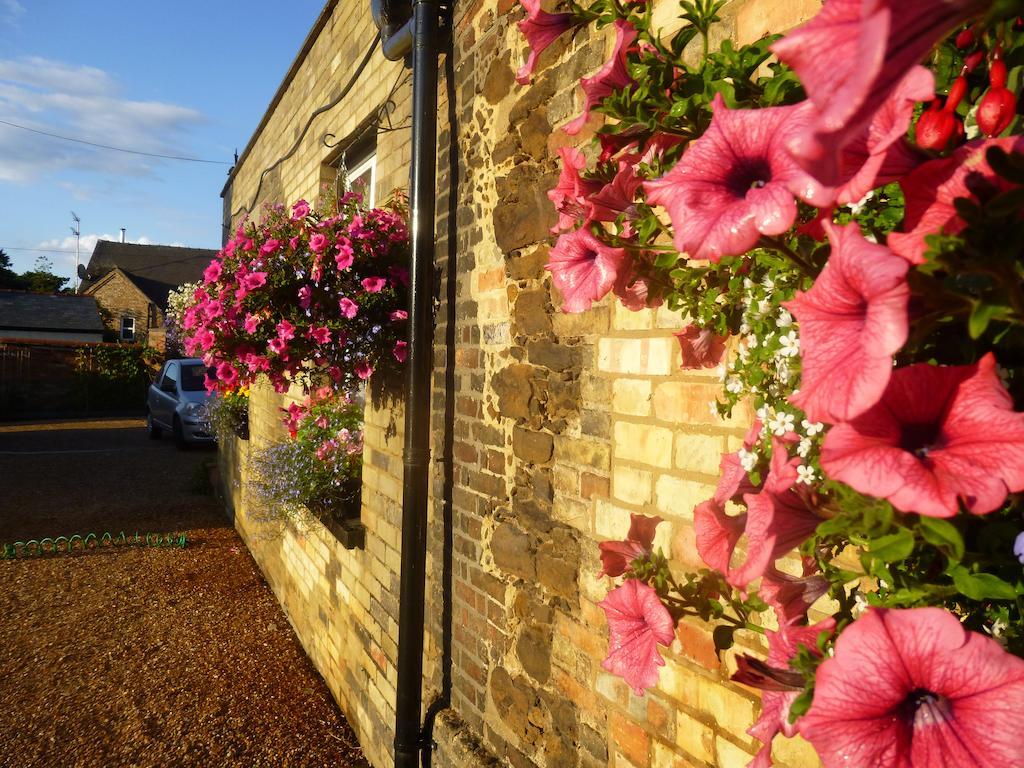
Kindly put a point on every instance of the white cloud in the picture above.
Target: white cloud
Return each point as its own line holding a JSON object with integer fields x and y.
{"x": 10, "y": 12}
{"x": 64, "y": 263}
{"x": 84, "y": 103}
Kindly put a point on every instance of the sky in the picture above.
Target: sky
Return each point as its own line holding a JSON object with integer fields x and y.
{"x": 188, "y": 78}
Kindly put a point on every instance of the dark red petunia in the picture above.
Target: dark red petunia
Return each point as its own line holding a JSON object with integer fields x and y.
{"x": 939, "y": 436}
{"x": 851, "y": 57}
{"x": 540, "y": 29}
{"x": 616, "y": 198}
{"x": 852, "y": 321}
{"x": 915, "y": 689}
{"x": 617, "y": 556}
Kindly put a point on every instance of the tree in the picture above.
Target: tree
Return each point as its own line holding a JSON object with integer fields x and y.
{"x": 41, "y": 279}
{"x": 8, "y": 277}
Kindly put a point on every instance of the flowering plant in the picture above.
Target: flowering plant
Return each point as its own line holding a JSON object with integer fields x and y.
{"x": 229, "y": 413}
{"x": 841, "y": 208}
{"x": 320, "y": 466}
{"x": 178, "y": 300}
{"x": 302, "y": 294}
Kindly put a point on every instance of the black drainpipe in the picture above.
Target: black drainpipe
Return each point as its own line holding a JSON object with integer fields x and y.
{"x": 420, "y": 33}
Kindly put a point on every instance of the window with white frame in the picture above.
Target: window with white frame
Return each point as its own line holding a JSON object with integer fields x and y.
{"x": 361, "y": 176}
{"x": 127, "y": 328}
{"x": 352, "y": 166}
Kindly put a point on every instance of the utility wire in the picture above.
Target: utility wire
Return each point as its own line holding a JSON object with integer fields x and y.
{"x": 114, "y": 149}
{"x": 330, "y": 105}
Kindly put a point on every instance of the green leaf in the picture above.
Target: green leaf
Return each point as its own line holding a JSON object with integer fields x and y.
{"x": 982, "y": 314}
{"x": 892, "y": 548}
{"x": 944, "y": 535}
{"x": 723, "y": 636}
{"x": 981, "y": 586}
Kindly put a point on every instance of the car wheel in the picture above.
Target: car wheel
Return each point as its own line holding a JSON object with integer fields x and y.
{"x": 152, "y": 429}
{"x": 179, "y": 435}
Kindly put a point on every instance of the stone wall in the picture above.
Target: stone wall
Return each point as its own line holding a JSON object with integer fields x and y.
{"x": 548, "y": 430}
{"x": 119, "y": 297}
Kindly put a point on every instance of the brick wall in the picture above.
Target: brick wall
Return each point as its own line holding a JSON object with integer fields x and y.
{"x": 118, "y": 297}
{"x": 548, "y": 430}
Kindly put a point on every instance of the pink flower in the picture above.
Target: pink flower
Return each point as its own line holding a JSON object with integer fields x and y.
{"x": 913, "y": 687}
{"x": 637, "y": 624}
{"x": 348, "y": 307}
{"x": 617, "y": 556}
{"x": 570, "y": 195}
{"x": 300, "y": 211}
{"x": 318, "y": 242}
{"x": 374, "y": 284}
{"x": 363, "y": 369}
{"x": 398, "y": 314}
{"x": 205, "y": 339}
{"x": 344, "y": 257}
{"x": 791, "y": 596}
{"x": 881, "y": 154}
{"x": 252, "y": 280}
{"x": 781, "y": 686}
{"x": 285, "y": 331}
{"x": 212, "y": 273}
{"x": 305, "y": 296}
{"x": 212, "y": 309}
{"x": 852, "y": 321}
{"x": 401, "y": 351}
{"x": 615, "y": 199}
{"x": 227, "y": 374}
{"x": 700, "y": 347}
{"x": 277, "y": 345}
{"x": 613, "y": 76}
{"x": 540, "y": 29}
{"x": 851, "y": 57}
{"x": 938, "y": 435}
{"x": 583, "y": 268}
{"x": 252, "y": 322}
{"x": 269, "y": 247}
{"x": 736, "y": 182}
{"x": 931, "y": 189}
{"x": 319, "y": 334}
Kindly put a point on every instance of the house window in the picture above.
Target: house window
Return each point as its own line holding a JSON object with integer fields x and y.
{"x": 353, "y": 164}
{"x": 128, "y": 328}
{"x": 362, "y": 177}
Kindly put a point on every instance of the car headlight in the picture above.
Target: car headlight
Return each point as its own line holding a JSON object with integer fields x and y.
{"x": 196, "y": 411}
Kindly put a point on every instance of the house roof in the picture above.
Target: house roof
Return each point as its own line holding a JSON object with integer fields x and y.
{"x": 43, "y": 312}
{"x": 154, "y": 269}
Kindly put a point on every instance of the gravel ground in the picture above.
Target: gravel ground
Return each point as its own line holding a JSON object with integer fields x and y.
{"x": 140, "y": 656}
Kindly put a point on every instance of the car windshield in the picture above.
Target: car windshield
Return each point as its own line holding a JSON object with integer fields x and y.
{"x": 192, "y": 378}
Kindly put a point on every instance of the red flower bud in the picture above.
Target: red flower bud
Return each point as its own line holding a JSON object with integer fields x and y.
{"x": 957, "y": 91}
{"x": 996, "y": 110}
{"x": 938, "y": 128}
{"x": 971, "y": 62}
{"x": 997, "y": 73}
{"x": 965, "y": 39}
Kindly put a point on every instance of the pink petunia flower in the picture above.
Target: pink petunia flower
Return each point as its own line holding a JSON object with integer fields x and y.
{"x": 791, "y": 596}
{"x": 401, "y": 351}
{"x": 780, "y": 686}
{"x": 910, "y": 688}
{"x": 851, "y": 57}
{"x": 300, "y": 211}
{"x": 540, "y": 29}
{"x": 397, "y": 315}
{"x": 570, "y": 194}
{"x": 615, "y": 198}
{"x": 637, "y": 624}
{"x": 277, "y": 345}
{"x": 736, "y": 182}
{"x": 318, "y": 242}
{"x": 617, "y": 556}
{"x": 320, "y": 334}
{"x": 363, "y": 370}
{"x": 252, "y": 280}
{"x": 584, "y": 269}
{"x": 931, "y": 189}
{"x": 852, "y": 321}
{"x": 305, "y": 296}
{"x": 212, "y": 273}
{"x": 348, "y": 307}
{"x": 227, "y": 374}
{"x": 700, "y": 347}
{"x": 252, "y": 322}
{"x": 204, "y": 339}
{"x": 613, "y": 76}
{"x": 939, "y": 435}
{"x": 272, "y": 245}
{"x": 344, "y": 257}
{"x": 285, "y": 331}
{"x": 374, "y": 284}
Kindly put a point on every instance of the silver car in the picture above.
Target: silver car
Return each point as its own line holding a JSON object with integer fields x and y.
{"x": 177, "y": 401}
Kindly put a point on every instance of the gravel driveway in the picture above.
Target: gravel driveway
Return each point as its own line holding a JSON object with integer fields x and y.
{"x": 140, "y": 656}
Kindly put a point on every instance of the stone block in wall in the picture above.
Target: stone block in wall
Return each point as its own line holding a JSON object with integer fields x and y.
{"x": 558, "y": 559}
{"x": 532, "y": 446}
{"x": 512, "y": 551}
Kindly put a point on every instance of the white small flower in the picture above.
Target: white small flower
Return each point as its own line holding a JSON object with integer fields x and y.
{"x": 744, "y": 328}
{"x": 764, "y": 306}
{"x": 762, "y": 413}
{"x": 781, "y": 423}
{"x": 857, "y": 207}
{"x": 752, "y": 341}
{"x": 812, "y": 427}
{"x": 859, "y": 605}
{"x": 713, "y": 407}
{"x": 721, "y": 371}
{"x": 747, "y": 284}
{"x": 804, "y": 447}
{"x": 782, "y": 371}
{"x": 768, "y": 283}
{"x": 805, "y": 475}
{"x": 733, "y": 385}
{"x": 785, "y": 319}
{"x": 1018, "y": 547}
{"x": 748, "y": 459}
{"x": 790, "y": 344}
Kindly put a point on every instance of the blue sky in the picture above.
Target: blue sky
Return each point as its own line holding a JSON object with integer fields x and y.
{"x": 186, "y": 78}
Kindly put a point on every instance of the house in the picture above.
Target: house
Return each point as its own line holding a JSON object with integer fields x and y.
{"x": 131, "y": 282}
{"x": 49, "y": 317}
